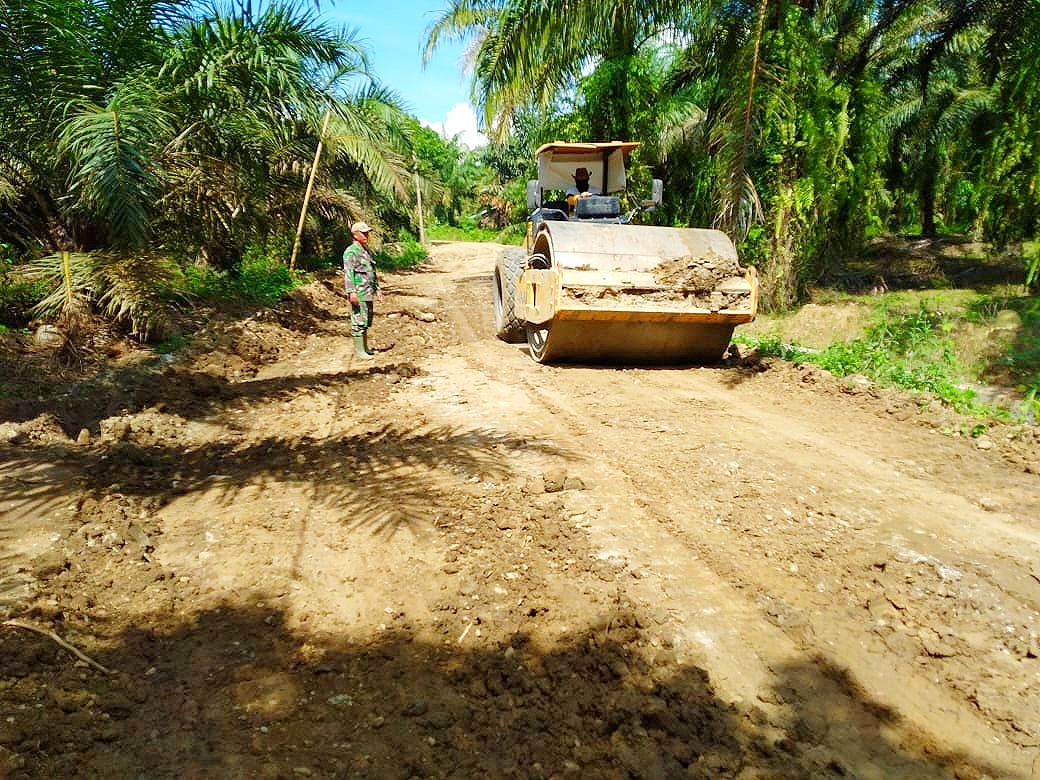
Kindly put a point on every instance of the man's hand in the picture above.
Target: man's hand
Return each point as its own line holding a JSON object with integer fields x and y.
{"x": 353, "y": 297}
{"x": 379, "y": 296}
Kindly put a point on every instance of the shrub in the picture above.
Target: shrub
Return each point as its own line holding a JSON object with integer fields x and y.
{"x": 261, "y": 277}
{"x": 18, "y": 297}
{"x": 205, "y": 281}
{"x": 405, "y": 252}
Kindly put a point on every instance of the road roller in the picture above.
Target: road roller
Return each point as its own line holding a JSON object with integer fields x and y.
{"x": 590, "y": 285}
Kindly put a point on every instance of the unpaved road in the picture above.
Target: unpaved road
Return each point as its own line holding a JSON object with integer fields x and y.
{"x": 451, "y": 561}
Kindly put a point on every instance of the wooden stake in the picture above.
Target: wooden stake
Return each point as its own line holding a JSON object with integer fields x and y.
{"x": 55, "y": 638}
{"x": 310, "y": 187}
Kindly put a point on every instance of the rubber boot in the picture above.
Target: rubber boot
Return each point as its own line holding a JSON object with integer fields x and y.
{"x": 359, "y": 348}
{"x": 373, "y": 350}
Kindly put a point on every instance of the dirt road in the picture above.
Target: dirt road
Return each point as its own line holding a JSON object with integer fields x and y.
{"x": 452, "y": 561}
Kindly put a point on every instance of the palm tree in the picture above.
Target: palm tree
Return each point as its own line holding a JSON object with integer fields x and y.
{"x": 77, "y": 141}
{"x": 529, "y": 53}
{"x": 1010, "y": 194}
{"x": 771, "y": 137}
{"x": 138, "y": 126}
{"x": 56, "y": 55}
{"x": 252, "y": 91}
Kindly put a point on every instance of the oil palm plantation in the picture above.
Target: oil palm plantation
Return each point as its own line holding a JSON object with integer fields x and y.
{"x": 155, "y": 130}
{"x": 794, "y": 126}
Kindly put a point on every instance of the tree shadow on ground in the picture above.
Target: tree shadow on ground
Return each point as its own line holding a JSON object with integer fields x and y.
{"x": 381, "y": 480}
{"x": 233, "y": 692}
{"x": 920, "y": 263}
{"x": 187, "y": 392}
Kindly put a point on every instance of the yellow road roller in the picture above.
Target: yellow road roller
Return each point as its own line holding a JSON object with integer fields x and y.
{"x": 590, "y": 286}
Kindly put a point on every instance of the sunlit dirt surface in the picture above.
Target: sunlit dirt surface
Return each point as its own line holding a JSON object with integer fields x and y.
{"x": 451, "y": 561}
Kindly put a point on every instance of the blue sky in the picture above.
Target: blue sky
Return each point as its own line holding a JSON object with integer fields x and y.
{"x": 394, "y": 32}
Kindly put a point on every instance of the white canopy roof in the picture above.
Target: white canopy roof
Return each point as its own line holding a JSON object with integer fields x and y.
{"x": 558, "y": 160}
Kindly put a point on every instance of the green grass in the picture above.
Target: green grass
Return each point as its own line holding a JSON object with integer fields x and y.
{"x": 405, "y": 252}
{"x": 467, "y": 231}
{"x": 917, "y": 349}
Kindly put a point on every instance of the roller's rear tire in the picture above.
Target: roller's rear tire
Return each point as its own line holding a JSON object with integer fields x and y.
{"x": 538, "y": 341}
{"x": 508, "y": 268}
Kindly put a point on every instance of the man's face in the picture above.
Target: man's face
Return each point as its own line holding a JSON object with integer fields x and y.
{"x": 361, "y": 238}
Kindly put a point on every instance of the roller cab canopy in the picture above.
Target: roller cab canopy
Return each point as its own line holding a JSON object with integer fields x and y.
{"x": 605, "y": 161}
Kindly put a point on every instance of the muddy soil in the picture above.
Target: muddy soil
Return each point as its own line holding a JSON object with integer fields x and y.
{"x": 678, "y": 299}
{"x": 453, "y": 562}
{"x": 707, "y": 283}
{"x": 698, "y": 273}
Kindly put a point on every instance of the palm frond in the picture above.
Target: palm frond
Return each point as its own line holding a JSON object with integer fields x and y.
{"x": 127, "y": 288}
{"x": 112, "y": 150}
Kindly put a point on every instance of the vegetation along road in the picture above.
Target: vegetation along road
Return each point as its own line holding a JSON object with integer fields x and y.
{"x": 451, "y": 561}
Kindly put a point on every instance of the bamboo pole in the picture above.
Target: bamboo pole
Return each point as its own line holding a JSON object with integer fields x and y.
{"x": 310, "y": 188}
{"x": 418, "y": 203}
{"x": 66, "y": 273}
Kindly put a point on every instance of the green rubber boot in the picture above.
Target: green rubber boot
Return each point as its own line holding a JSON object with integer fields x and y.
{"x": 359, "y": 348}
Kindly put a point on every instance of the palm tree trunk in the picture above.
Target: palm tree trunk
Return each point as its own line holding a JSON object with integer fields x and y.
{"x": 926, "y": 198}
{"x": 754, "y": 72}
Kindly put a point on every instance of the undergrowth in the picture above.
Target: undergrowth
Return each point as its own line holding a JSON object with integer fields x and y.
{"x": 510, "y": 234}
{"x": 916, "y": 351}
{"x": 405, "y": 252}
{"x": 18, "y": 295}
{"x": 468, "y": 230}
{"x": 261, "y": 277}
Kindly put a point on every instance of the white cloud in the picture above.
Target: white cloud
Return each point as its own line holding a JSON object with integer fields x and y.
{"x": 460, "y": 121}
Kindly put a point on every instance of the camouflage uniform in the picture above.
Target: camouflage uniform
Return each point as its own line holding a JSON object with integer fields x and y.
{"x": 359, "y": 275}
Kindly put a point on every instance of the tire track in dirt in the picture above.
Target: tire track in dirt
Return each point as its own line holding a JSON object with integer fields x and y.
{"x": 647, "y": 491}
{"x": 756, "y": 639}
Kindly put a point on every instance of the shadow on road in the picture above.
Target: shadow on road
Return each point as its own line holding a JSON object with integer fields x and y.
{"x": 232, "y": 692}
{"x": 379, "y": 481}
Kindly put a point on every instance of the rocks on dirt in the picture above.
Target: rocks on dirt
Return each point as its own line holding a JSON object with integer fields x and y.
{"x": 420, "y": 315}
{"x": 49, "y": 337}
{"x": 553, "y": 480}
{"x": 42, "y": 429}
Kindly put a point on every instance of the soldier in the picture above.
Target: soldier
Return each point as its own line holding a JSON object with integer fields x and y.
{"x": 362, "y": 286}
